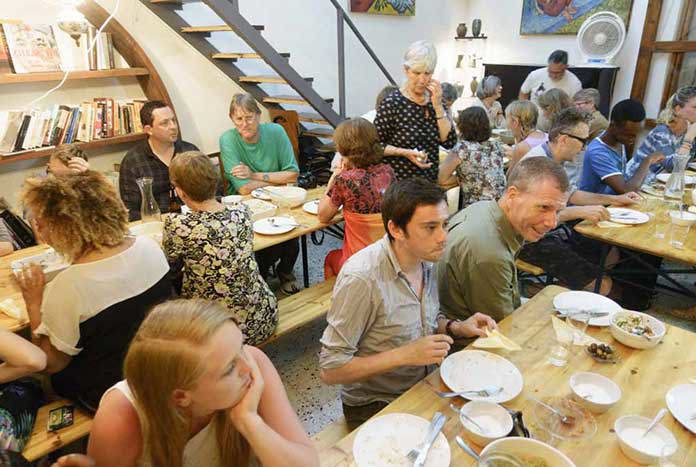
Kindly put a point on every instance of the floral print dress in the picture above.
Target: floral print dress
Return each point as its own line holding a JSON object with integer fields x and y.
{"x": 216, "y": 252}
{"x": 480, "y": 173}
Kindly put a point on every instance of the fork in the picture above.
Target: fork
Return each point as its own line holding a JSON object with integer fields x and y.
{"x": 489, "y": 391}
{"x": 285, "y": 224}
{"x": 419, "y": 454}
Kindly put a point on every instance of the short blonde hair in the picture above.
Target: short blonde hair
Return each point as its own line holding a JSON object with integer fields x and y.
{"x": 66, "y": 152}
{"x": 194, "y": 173}
{"x": 554, "y": 100}
{"x": 421, "y": 55}
{"x": 525, "y": 112}
{"x": 357, "y": 140}
{"x": 245, "y": 102}
{"x": 79, "y": 212}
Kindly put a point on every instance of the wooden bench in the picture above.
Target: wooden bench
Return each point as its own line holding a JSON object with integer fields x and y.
{"x": 304, "y": 307}
{"x": 331, "y": 434}
{"x": 42, "y": 442}
{"x": 529, "y": 268}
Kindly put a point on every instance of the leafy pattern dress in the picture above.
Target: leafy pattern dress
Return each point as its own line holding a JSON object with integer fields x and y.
{"x": 215, "y": 250}
{"x": 480, "y": 173}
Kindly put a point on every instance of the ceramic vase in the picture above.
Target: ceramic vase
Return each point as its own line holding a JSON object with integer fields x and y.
{"x": 476, "y": 27}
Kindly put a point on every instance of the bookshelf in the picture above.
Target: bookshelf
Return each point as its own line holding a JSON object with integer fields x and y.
{"x": 140, "y": 68}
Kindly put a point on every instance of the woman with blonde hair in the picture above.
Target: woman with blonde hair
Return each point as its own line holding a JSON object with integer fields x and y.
{"x": 551, "y": 103}
{"x": 85, "y": 317}
{"x": 521, "y": 117}
{"x": 358, "y": 185}
{"x": 194, "y": 395}
{"x": 214, "y": 245}
{"x": 673, "y": 135}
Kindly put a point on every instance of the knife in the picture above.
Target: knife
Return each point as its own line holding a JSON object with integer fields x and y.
{"x": 429, "y": 440}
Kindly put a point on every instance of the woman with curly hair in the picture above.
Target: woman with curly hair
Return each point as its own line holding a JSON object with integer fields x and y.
{"x": 214, "y": 245}
{"x": 85, "y": 317}
{"x": 358, "y": 185}
{"x": 551, "y": 103}
{"x": 476, "y": 163}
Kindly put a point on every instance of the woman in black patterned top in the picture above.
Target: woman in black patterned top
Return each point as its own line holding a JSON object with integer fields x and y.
{"x": 412, "y": 122}
{"x": 215, "y": 246}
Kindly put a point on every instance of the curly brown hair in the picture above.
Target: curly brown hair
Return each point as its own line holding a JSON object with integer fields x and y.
{"x": 473, "y": 125}
{"x": 76, "y": 213}
{"x": 357, "y": 140}
{"x": 66, "y": 152}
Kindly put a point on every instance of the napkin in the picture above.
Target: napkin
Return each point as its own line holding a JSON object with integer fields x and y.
{"x": 496, "y": 340}
{"x": 12, "y": 309}
{"x": 610, "y": 224}
{"x": 566, "y": 333}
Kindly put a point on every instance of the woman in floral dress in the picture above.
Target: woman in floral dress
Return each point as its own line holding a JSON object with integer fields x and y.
{"x": 477, "y": 160}
{"x": 214, "y": 246}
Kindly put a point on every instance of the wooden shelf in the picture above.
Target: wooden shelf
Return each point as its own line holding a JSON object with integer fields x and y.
{"x": 99, "y": 143}
{"x": 470, "y": 37}
{"x": 11, "y": 78}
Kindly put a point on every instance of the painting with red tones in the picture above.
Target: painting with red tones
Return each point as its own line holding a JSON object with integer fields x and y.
{"x": 384, "y": 7}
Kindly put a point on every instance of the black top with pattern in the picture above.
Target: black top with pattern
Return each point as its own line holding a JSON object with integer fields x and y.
{"x": 404, "y": 124}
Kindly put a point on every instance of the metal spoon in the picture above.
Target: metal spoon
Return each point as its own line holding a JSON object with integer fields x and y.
{"x": 660, "y": 415}
{"x": 565, "y": 419}
{"x": 462, "y": 444}
{"x": 463, "y": 415}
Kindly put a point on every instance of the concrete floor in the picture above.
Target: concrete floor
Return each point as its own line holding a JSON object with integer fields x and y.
{"x": 296, "y": 355}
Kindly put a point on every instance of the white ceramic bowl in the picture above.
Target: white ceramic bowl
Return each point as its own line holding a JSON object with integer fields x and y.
{"x": 50, "y": 261}
{"x": 527, "y": 447}
{"x": 494, "y": 419}
{"x": 633, "y": 340}
{"x": 292, "y": 195}
{"x": 595, "y": 392}
{"x": 150, "y": 229}
{"x": 644, "y": 450}
{"x": 685, "y": 218}
{"x": 232, "y": 199}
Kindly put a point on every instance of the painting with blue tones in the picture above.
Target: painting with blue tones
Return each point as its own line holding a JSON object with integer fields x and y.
{"x": 566, "y": 16}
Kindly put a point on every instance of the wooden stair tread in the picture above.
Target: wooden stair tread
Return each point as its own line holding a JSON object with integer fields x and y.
{"x": 529, "y": 268}
{"x": 331, "y": 434}
{"x": 312, "y": 118}
{"x": 303, "y": 307}
{"x": 240, "y": 55}
{"x": 290, "y": 100}
{"x": 326, "y": 148}
{"x": 42, "y": 442}
{"x": 218, "y": 28}
{"x": 319, "y": 133}
{"x": 267, "y": 79}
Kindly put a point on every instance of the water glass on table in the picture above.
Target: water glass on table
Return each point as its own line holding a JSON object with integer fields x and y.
{"x": 578, "y": 320}
{"x": 679, "y": 231}
{"x": 660, "y": 218}
{"x": 561, "y": 349}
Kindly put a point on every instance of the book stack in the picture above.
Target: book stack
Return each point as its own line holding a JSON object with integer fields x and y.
{"x": 92, "y": 120}
{"x": 101, "y": 57}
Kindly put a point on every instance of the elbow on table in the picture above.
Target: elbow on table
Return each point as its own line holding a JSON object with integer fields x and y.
{"x": 34, "y": 362}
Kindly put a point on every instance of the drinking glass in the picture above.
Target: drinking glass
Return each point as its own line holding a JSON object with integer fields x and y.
{"x": 678, "y": 234}
{"x": 560, "y": 350}
{"x": 661, "y": 219}
{"x": 670, "y": 456}
{"x": 578, "y": 320}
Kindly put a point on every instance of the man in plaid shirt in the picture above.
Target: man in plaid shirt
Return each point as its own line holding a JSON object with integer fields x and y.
{"x": 151, "y": 158}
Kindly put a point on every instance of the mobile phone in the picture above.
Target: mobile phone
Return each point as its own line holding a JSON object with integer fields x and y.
{"x": 61, "y": 417}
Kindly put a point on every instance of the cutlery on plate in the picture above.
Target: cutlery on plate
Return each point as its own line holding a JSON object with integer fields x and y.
{"x": 660, "y": 415}
{"x": 565, "y": 419}
{"x": 489, "y": 391}
{"x": 463, "y": 415}
{"x": 590, "y": 313}
{"x": 274, "y": 223}
{"x": 462, "y": 444}
{"x": 419, "y": 454}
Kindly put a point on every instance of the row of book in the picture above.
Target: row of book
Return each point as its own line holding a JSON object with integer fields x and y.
{"x": 31, "y": 48}
{"x": 64, "y": 124}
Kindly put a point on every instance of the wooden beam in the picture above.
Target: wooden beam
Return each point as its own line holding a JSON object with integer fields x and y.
{"x": 674, "y": 46}
{"x": 640, "y": 78}
{"x": 677, "y": 59}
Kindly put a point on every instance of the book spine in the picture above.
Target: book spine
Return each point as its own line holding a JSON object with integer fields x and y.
{"x": 26, "y": 120}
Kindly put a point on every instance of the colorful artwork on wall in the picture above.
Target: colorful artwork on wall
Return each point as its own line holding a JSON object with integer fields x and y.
{"x": 384, "y": 7}
{"x": 566, "y": 16}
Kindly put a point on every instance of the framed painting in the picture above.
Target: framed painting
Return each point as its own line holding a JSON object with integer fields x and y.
{"x": 384, "y": 7}
{"x": 566, "y": 16}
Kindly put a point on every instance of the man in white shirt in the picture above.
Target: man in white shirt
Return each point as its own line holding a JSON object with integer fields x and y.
{"x": 554, "y": 76}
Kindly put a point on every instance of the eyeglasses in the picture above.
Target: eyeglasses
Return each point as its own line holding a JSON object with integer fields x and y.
{"x": 247, "y": 119}
{"x": 577, "y": 138}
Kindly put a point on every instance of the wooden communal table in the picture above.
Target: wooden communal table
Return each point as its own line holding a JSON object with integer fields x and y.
{"x": 640, "y": 238}
{"x": 310, "y": 223}
{"x": 644, "y": 376}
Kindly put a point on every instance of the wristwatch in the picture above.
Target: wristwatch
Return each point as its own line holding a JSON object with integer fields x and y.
{"x": 448, "y": 327}
{"x": 265, "y": 177}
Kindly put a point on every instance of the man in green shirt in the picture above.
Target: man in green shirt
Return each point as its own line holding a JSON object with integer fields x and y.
{"x": 255, "y": 155}
{"x": 477, "y": 272}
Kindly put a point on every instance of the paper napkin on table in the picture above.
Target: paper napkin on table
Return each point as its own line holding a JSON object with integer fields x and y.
{"x": 12, "y": 309}
{"x": 565, "y": 333}
{"x": 610, "y": 224}
{"x": 496, "y": 340}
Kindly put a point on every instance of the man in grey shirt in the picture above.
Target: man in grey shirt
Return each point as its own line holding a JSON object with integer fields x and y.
{"x": 384, "y": 329}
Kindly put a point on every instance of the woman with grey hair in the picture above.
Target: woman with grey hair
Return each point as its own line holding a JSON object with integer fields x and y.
{"x": 673, "y": 135}
{"x": 412, "y": 122}
{"x": 488, "y": 92}
{"x": 586, "y": 100}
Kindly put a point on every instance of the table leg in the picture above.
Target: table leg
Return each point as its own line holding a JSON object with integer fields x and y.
{"x": 602, "y": 263}
{"x": 305, "y": 262}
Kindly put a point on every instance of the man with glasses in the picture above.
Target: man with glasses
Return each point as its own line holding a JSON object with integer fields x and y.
{"x": 586, "y": 100}
{"x": 553, "y": 76}
{"x": 562, "y": 246}
{"x": 255, "y": 155}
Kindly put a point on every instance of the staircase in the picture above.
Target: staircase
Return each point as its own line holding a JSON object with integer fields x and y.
{"x": 320, "y": 113}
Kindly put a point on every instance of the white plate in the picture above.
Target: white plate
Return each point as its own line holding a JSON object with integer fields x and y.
{"x": 578, "y": 299}
{"x": 627, "y": 216}
{"x": 471, "y": 370}
{"x": 385, "y": 441}
{"x": 681, "y": 401}
{"x": 652, "y": 191}
{"x": 688, "y": 179}
{"x": 266, "y": 226}
{"x": 260, "y": 194}
{"x": 311, "y": 207}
